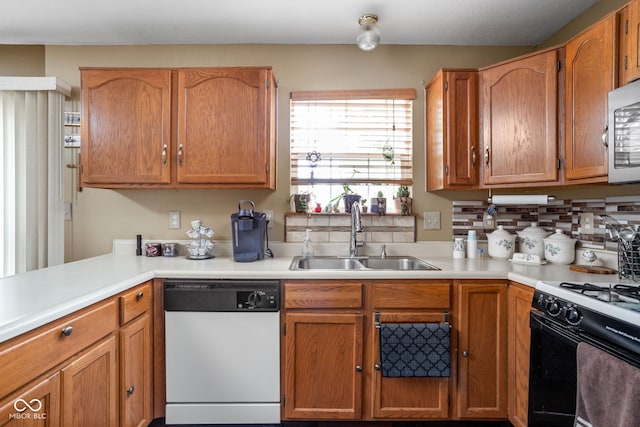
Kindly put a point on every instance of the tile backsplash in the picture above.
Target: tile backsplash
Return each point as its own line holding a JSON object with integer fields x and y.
{"x": 558, "y": 214}
{"x": 334, "y": 228}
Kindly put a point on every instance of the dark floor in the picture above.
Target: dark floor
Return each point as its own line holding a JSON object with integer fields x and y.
{"x": 160, "y": 423}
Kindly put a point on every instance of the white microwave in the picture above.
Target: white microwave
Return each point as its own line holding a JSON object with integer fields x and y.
{"x": 623, "y": 134}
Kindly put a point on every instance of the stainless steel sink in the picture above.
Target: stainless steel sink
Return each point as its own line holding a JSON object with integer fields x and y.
{"x": 397, "y": 263}
{"x": 360, "y": 263}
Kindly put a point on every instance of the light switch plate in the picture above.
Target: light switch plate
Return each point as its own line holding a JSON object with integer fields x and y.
{"x": 431, "y": 220}
{"x": 269, "y": 214}
{"x": 174, "y": 220}
{"x": 68, "y": 208}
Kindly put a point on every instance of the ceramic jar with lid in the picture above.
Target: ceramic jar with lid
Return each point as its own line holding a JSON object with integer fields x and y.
{"x": 560, "y": 248}
{"x": 501, "y": 243}
{"x": 530, "y": 240}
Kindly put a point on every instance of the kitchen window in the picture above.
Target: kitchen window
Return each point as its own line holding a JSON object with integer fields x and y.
{"x": 359, "y": 138}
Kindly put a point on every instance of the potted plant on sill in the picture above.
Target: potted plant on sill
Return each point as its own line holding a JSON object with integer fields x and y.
{"x": 382, "y": 203}
{"x": 403, "y": 200}
{"x": 300, "y": 202}
{"x": 349, "y": 196}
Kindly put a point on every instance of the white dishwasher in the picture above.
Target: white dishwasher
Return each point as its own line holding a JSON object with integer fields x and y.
{"x": 222, "y": 351}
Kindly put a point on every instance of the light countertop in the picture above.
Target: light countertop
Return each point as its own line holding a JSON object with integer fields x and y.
{"x": 35, "y": 298}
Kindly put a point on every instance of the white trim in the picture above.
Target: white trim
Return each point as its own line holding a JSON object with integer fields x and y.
{"x": 35, "y": 83}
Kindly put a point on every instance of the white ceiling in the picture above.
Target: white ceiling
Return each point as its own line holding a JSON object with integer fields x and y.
{"x": 445, "y": 22}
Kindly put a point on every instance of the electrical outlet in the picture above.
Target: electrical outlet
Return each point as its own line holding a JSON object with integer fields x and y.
{"x": 586, "y": 223}
{"x": 269, "y": 214}
{"x": 174, "y": 220}
{"x": 431, "y": 220}
{"x": 68, "y": 211}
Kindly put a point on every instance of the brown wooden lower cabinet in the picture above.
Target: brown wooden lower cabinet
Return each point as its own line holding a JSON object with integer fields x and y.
{"x": 323, "y": 367}
{"x": 481, "y": 315}
{"x": 82, "y": 370}
{"x": 43, "y": 399}
{"x": 331, "y": 352}
{"x": 89, "y": 385}
{"x": 520, "y": 298}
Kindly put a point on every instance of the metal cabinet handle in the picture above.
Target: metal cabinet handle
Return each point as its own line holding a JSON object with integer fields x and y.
{"x": 139, "y": 295}
{"x": 605, "y": 141}
{"x": 67, "y": 331}
{"x": 180, "y": 155}
{"x": 465, "y": 354}
{"x": 474, "y": 158}
{"x": 377, "y": 367}
{"x": 358, "y": 368}
{"x": 164, "y": 156}
{"x": 486, "y": 157}
{"x": 130, "y": 390}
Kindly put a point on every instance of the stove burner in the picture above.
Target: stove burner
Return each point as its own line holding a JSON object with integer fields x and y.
{"x": 628, "y": 290}
{"x": 613, "y": 293}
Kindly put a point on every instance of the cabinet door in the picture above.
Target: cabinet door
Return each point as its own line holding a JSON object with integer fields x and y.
{"x": 519, "y": 337}
{"x": 126, "y": 117}
{"x": 407, "y": 398}
{"x": 136, "y": 386}
{"x": 36, "y": 405}
{"x": 224, "y": 126}
{"x": 482, "y": 359}
{"x": 323, "y": 366}
{"x": 589, "y": 78}
{"x": 452, "y": 130}
{"x": 89, "y": 386}
{"x": 630, "y": 43}
{"x": 520, "y": 121}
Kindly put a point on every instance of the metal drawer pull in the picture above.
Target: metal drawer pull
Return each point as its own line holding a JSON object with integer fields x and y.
{"x": 377, "y": 367}
{"x": 465, "y": 354}
{"x": 130, "y": 390}
{"x": 358, "y": 368}
{"x": 180, "y": 155}
{"x": 164, "y": 156}
{"x": 473, "y": 156}
{"x": 67, "y": 331}
{"x": 139, "y": 295}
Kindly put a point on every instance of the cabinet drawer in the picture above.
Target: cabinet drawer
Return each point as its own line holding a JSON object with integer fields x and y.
{"x": 30, "y": 355}
{"x": 425, "y": 294}
{"x": 135, "y": 302}
{"x": 319, "y": 294}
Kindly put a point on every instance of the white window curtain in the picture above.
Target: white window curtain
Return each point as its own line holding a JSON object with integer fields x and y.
{"x": 31, "y": 199}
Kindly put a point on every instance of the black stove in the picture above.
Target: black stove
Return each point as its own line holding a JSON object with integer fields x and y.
{"x": 608, "y": 311}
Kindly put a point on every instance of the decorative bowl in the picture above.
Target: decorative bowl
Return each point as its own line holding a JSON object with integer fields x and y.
{"x": 560, "y": 248}
{"x": 501, "y": 243}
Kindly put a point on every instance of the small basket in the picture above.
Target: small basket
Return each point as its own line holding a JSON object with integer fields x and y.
{"x": 629, "y": 259}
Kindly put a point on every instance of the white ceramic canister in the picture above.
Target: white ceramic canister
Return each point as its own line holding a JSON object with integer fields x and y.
{"x": 501, "y": 243}
{"x": 560, "y": 248}
{"x": 530, "y": 240}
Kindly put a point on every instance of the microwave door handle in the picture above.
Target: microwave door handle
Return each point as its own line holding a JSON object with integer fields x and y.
{"x": 605, "y": 141}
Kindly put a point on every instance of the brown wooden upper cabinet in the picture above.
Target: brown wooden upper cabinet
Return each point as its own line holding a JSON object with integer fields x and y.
{"x": 179, "y": 128}
{"x": 590, "y": 75}
{"x": 519, "y": 121}
{"x": 629, "y": 54}
{"x": 452, "y": 130}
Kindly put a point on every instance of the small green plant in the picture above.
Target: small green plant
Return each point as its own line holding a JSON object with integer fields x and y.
{"x": 403, "y": 191}
{"x": 380, "y": 194}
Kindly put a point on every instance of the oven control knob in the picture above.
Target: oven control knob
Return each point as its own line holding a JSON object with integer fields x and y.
{"x": 255, "y": 299}
{"x": 553, "y": 307}
{"x": 572, "y": 315}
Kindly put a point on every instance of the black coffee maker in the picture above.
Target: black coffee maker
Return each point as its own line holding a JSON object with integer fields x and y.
{"x": 249, "y": 232}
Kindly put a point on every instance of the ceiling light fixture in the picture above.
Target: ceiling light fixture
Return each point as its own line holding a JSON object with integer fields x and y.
{"x": 369, "y": 36}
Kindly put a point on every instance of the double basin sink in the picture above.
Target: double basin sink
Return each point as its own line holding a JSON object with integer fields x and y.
{"x": 360, "y": 263}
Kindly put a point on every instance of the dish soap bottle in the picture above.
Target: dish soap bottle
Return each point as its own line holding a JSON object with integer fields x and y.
{"x": 307, "y": 246}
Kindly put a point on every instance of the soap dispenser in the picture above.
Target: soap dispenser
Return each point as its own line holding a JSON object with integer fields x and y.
{"x": 307, "y": 246}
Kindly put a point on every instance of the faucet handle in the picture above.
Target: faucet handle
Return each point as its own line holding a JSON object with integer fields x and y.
{"x": 383, "y": 251}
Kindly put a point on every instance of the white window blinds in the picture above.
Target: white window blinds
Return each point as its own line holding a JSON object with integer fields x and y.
{"x": 362, "y": 137}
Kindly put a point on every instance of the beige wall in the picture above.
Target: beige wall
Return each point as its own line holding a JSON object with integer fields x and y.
{"x": 102, "y": 215}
